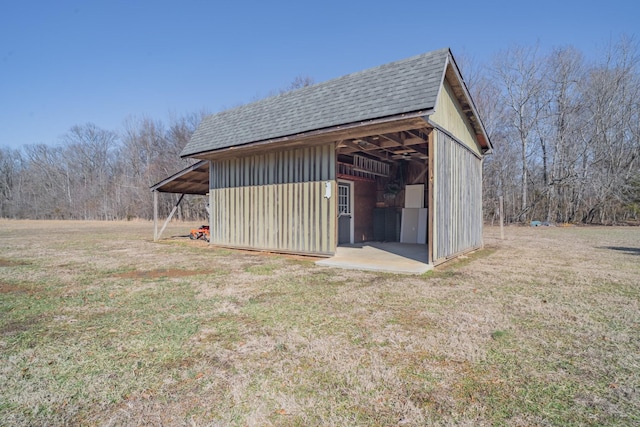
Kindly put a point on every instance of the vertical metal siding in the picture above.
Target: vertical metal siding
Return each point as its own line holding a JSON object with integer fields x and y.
{"x": 275, "y": 201}
{"x": 458, "y": 198}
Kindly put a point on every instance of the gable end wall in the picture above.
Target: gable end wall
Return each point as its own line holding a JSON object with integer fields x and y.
{"x": 449, "y": 116}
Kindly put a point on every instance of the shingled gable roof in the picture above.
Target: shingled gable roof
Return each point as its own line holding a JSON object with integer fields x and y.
{"x": 407, "y": 86}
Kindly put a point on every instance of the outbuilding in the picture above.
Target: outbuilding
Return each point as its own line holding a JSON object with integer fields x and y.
{"x": 389, "y": 154}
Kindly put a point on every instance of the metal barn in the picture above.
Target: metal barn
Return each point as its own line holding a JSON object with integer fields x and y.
{"x": 389, "y": 154}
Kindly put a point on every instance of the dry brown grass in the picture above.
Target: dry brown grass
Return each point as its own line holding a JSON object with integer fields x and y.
{"x": 101, "y": 326}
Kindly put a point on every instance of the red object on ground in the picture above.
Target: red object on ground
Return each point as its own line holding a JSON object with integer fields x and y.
{"x": 200, "y": 233}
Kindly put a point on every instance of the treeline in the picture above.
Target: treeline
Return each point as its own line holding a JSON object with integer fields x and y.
{"x": 565, "y": 130}
{"x": 99, "y": 174}
{"x": 566, "y": 133}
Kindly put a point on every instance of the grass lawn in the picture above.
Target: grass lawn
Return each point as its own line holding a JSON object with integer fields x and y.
{"x": 101, "y": 326}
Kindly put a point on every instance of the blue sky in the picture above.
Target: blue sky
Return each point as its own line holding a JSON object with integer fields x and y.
{"x": 64, "y": 63}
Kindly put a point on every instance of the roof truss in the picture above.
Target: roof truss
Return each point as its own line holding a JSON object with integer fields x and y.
{"x": 391, "y": 146}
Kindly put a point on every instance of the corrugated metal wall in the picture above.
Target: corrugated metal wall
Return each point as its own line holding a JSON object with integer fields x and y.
{"x": 458, "y": 198}
{"x": 275, "y": 201}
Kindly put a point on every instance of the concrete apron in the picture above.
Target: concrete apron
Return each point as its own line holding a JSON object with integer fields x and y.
{"x": 390, "y": 257}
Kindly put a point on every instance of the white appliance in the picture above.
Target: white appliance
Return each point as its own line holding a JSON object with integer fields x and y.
{"x": 413, "y": 228}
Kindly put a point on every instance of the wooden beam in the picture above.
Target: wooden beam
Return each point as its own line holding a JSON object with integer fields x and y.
{"x": 319, "y": 137}
{"x": 173, "y": 211}
{"x": 421, "y": 174}
{"x": 382, "y": 155}
{"x": 421, "y": 150}
{"x": 414, "y": 141}
{"x": 416, "y": 133}
{"x": 396, "y": 140}
{"x": 408, "y": 143}
{"x": 155, "y": 216}
{"x": 352, "y": 145}
{"x": 380, "y": 144}
{"x": 431, "y": 196}
{"x": 384, "y": 142}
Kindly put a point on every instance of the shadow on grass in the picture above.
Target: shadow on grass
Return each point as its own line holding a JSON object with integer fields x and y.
{"x": 627, "y": 250}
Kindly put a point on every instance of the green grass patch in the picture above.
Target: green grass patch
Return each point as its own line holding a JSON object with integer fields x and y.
{"x": 261, "y": 269}
{"x": 499, "y": 335}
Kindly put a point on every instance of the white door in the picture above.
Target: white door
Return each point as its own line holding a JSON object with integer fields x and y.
{"x": 345, "y": 212}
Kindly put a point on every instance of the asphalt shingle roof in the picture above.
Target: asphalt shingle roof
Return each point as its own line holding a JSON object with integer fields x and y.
{"x": 399, "y": 87}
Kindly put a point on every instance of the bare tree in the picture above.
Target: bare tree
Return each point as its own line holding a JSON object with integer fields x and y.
{"x": 518, "y": 70}
{"x": 611, "y": 93}
{"x": 45, "y": 192}
{"x": 297, "y": 83}
{"x": 11, "y": 166}
{"x": 89, "y": 156}
{"x": 150, "y": 152}
{"x": 572, "y": 129}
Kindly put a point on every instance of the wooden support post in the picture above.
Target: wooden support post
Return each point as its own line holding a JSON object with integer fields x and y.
{"x": 501, "y": 218}
{"x": 431, "y": 195}
{"x": 155, "y": 216}
{"x": 173, "y": 211}
{"x": 210, "y": 211}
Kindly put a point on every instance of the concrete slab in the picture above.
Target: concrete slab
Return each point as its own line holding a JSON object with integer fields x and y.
{"x": 389, "y": 257}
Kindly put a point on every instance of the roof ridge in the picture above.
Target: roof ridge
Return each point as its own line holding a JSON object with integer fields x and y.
{"x": 398, "y": 87}
{"x": 355, "y": 73}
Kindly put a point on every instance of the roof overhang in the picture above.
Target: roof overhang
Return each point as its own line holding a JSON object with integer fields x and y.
{"x": 397, "y": 123}
{"x": 191, "y": 180}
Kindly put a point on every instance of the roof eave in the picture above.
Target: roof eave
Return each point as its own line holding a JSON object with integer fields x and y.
{"x": 158, "y": 186}
{"x": 317, "y": 133}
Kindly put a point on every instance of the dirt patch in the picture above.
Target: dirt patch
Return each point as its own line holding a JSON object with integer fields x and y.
{"x": 266, "y": 253}
{"x": 19, "y": 326}
{"x": 162, "y": 272}
{"x": 11, "y": 263}
{"x": 6, "y": 288}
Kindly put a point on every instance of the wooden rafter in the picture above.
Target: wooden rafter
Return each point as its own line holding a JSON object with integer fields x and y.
{"x": 391, "y": 145}
{"x": 378, "y": 143}
{"x": 370, "y": 149}
{"x": 421, "y": 150}
{"x": 397, "y": 140}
